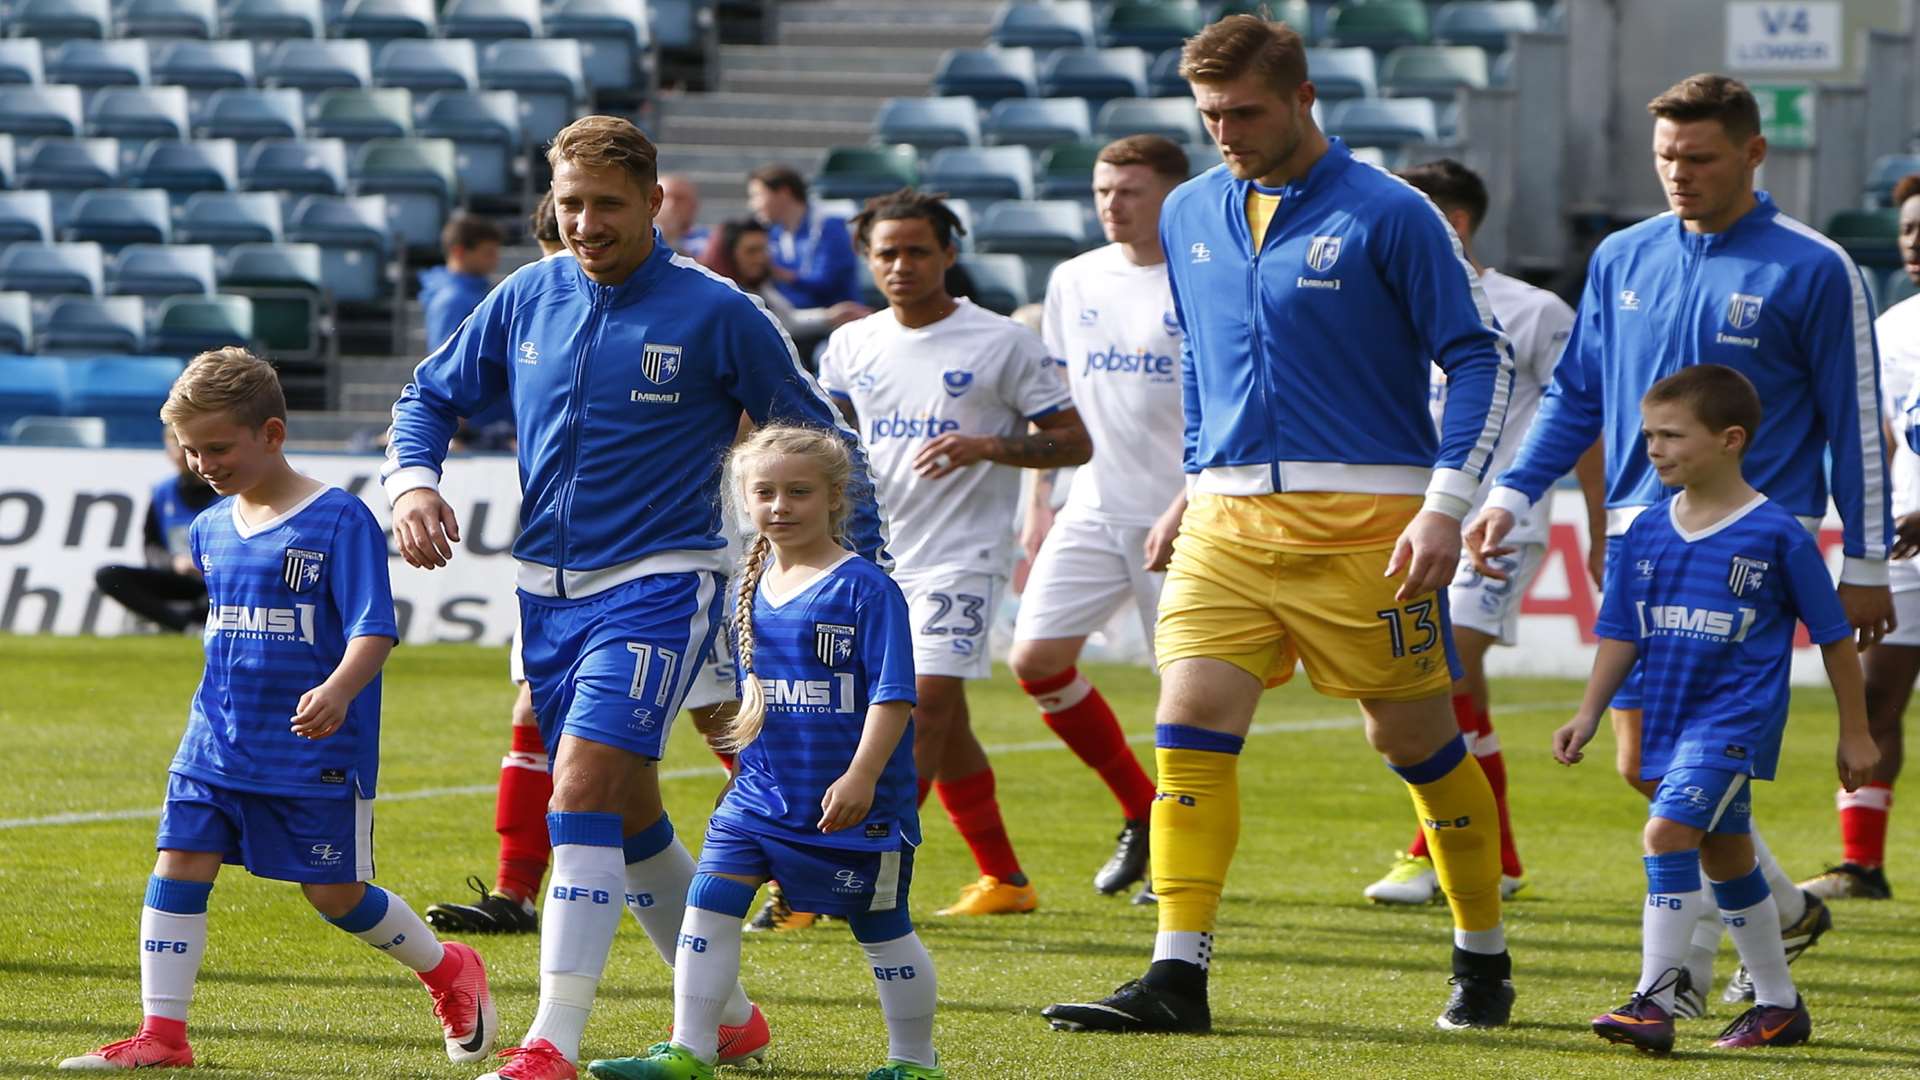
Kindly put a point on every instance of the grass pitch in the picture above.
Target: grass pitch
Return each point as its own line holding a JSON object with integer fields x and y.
{"x": 1309, "y": 979}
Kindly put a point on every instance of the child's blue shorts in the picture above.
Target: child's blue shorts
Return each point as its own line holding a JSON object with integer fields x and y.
{"x": 1712, "y": 800}
{"x": 814, "y": 877}
{"x": 316, "y": 841}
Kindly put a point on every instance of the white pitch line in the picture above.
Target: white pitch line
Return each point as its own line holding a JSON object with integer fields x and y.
{"x": 1274, "y": 727}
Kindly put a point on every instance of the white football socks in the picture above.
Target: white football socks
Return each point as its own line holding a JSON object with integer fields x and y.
{"x": 657, "y": 897}
{"x": 903, "y": 972}
{"x": 171, "y": 947}
{"x": 397, "y": 931}
{"x": 1786, "y": 892}
{"x": 582, "y": 913}
{"x": 706, "y": 972}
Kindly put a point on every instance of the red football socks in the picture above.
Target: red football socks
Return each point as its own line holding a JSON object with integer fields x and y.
{"x": 1863, "y": 824}
{"x": 520, "y": 815}
{"x": 1085, "y": 722}
{"x": 976, "y": 814}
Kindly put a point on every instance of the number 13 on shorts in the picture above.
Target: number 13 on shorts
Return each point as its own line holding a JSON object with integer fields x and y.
{"x": 1413, "y": 629}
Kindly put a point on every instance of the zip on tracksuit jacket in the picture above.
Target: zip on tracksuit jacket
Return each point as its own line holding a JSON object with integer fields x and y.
{"x": 1771, "y": 298}
{"x": 626, "y": 398}
{"x": 1305, "y": 363}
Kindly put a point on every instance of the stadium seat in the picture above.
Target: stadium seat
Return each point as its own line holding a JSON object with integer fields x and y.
{"x": 250, "y": 115}
{"x": 1062, "y": 24}
{"x": 550, "y": 77}
{"x": 614, "y": 38}
{"x": 1295, "y": 13}
{"x": 1340, "y": 74}
{"x": 126, "y": 391}
{"x": 982, "y": 173}
{"x": 22, "y": 62}
{"x": 273, "y": 20}
{"x": 70, "y": 165}
{"x": 928, "y": 123}
{"x": 161, "y": 270}
{"x": 355, "y": 116}
{"x": 1500, "y": 72}
{"x": 1038, "y": 122}
{"x": 1489, "y": 24}
{"x": 226, "y": 218}
{"x": 40, "y": 110}
{"x": 26, "y": 217}
{"x": 90, "y": 64}
{"x": 73, "y": 432}
{"x": 1066, "y": 170}
{"x": 187, "y": 325}
{"x": 166, "y": 19}
{"x": 1885, "y": 173}
{"x": 16, "y": 323}
{"x": 203, "y": 65}
{"x": 287, "y": 286}
{"x": 31, "y": 386}
{"x": 1174, "y": 117}
{"x": 319, "y": 65}
{"x": 353, "y": 234}
{"x": 1872, "y": 237}
{"x": 383, "y": 20}
{"x": 60, "y": 20}
{"x": 419, "y": 177}
{"x": 1152, "y": 24}
{"x": 138, "y": 112}
{"x": 999, "y": 281}
{"x": 491, "y": 20}
{"x": 423, "y": 66}
{"x": 9, "y": 171}
{"x": 986, "y": 75}
{"x": 1034, "y": 227}
{"x": 861, "y": 172}
{"x": 485, "y": 129}
{"x": 1384, "y": 122}
{"x": 88, "y": 324}
{"x": 963, "y": 210}
{"x": 1433, "y": 71}
{"x": 1098, "y": 75}
{"x": 184, "y": 167}
{"x": 318, "y": 166}
{"x": 1381, "y": 24}
{"x": 1899, "y": 289}
{"x": 114, "y": 218}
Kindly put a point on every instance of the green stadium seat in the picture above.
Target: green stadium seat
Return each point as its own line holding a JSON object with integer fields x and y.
{"x": 188, "y": 325}
{"x": 1872, "y": 237}
{"x": 287, "y": 285}
{"x": 1433, "y": 71}
{"x": 1382, "y": 24}
{"x": 354, "y": 116}
{"x": 1152, "y": 24}
{"x": 1066, "y": 169}
{"x": 421, "y": 180}
{"x": 861, "y": 172}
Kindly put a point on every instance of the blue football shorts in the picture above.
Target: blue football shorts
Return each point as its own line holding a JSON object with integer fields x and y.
{"x": 317, "y": 841}
{"x": 615, "y": 667}
{"x": 817, "y": 878}
{"x": 1712, "y": 800}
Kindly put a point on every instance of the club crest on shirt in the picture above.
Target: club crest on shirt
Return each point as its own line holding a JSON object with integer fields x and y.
{"x": 1743, "y": 310}
{"x": 659, "y": 363}
{"x": 1323, "y": 253}
{"x": 956, "y": 382}
{"x": 832, "y": 643}
{"x": 300, "y": 568}
{"x": 1746, "y": 575}
{"x": 1089, "y": 316}
{"x": 1170, "y": 323}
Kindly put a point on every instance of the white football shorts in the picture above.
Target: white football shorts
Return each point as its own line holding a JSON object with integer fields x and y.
{"x": 714, "y": 685}
{"x": 1085, "y": 571}
{"x": 951, "y": 611}
{"x": 1492, "y": 607}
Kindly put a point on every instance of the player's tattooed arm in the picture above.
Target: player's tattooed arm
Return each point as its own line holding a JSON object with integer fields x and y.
{"x": 1060, "y": 440}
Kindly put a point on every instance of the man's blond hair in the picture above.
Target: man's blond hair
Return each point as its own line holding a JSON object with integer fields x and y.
{"x": 231, "y": 381}
{"x": 598, "y": 142}
{"x": 1241, "y": 44}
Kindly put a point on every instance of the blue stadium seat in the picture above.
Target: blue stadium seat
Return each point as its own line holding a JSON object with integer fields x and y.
{"x": 226, "y": 218}
{"x": 125, "y": 390}
{"x": 999, "y": 281}
{"x": 116, "y": 218}
{"x": 680, "y": 25}
{"x": 272, "y": 20}
{"x": 353, "y": 234}
{"x": 185, "y": 326}
{"x": 1486, "y": 23}
{"x": 31, "y": 386}
{"x": 318, "y": 166}
{"x": 491, "y": 20}
{"x": 986, "y": 75}
{"x": 203, "y": 65}
{"x": 982, "y": 173}
{"x": 423, "y": 66}
{"x": 9, "y": 173}
{"x": 16, "y": 323}
{"x": 419, "y": 177}
{"x": 1152, "y": 24}
{"x": 383, "y": 20}
{"x": 248, "y": 115}
{"x": 89, "y": 64}
{"x": 550, "y": 77}
{"x": 88, "y": 324}
{"x": 1035, "y": 227}
{"x": 52, "y": 268}
{"x": 196, "y": 19}
{"x": 1885, "y": 173}
{"x": 485, "y": 129}
{"x": 22, "y": 62}
{"x": 60, "y": 20}
{"x": 1384, "y": 122}
{"x": 161, "y": 270}
{"x": 1342, "y": 73}
{"x": 1163, "y": 75}
{"x": 40, "y": 110}
{"x": 1038, "y": 122}
{"x": 287, "y": 285}
{"x": 73, "y": 432}
{"x": 861, "y": 172}
{"x": 1500, "y": 72}
{"x": 26, "y": 217}
{"x": 614, "y": 38}
{"x": 319, "y": 65}
{"x": 1433, "y": 71}
{"x": 70, "y": 165}
{"x": 1062, "y": 24}
{"x": 1099, "y": 75}
{"x": 1174, "y": 117}
{"x": 1446, "y": 121}
{"x": 355, "y": 116}
{"x": 928, "y": 123}
{"x": 138, "y": 112}
{"x": 276, "y": 265}
{"x": 183, "y": 167}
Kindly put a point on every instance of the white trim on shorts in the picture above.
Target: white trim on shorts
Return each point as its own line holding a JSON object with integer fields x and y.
{"x": 886, "y": 885}
{"x": 1726, "y": 800}
{"x": 697, "y": 628}
{"x": 362, "y": 838}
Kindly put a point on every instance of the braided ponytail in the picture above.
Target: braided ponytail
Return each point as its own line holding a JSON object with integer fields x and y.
{"x": 744, "y": 727}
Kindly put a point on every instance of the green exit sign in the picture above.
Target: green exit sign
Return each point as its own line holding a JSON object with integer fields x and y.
{"x": 1786, "y": 113}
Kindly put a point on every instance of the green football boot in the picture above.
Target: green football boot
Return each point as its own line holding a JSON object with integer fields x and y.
{"x": 664, "y": 1061}
{"x": 900, "y": 1070}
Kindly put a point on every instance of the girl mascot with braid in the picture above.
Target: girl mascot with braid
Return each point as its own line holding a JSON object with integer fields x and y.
{"x": 824, "y": 791}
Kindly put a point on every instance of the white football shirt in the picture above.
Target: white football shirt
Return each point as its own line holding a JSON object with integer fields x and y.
{"x": 1111, "y": 325}
{"x": 1898, "y": 329}
{"x": 1539, "y": 323}
{"x": 971, "y": 373}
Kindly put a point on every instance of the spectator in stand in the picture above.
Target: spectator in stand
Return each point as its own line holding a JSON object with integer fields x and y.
{"x": 169, "y": 590}
{"x": 813, "y": 263}
{"x": 448, "y": 294}
{"x": 680, "y": 214}
{"x": 545, "y": 225}
{"x": 741, "y": 252}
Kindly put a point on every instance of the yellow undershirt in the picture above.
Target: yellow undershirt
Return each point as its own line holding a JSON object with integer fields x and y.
{"x": 1260, "y": 211}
